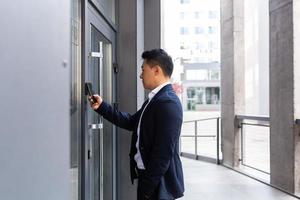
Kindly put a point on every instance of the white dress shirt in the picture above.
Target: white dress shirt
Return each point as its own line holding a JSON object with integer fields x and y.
{"x": 137, "y": 156}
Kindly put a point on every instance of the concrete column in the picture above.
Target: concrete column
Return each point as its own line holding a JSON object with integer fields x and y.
{"x": 138, "y": 30}
{"x": 232, "y": 77}
{"x": 130, "y": 45}
{"x": 284, "y": 92}
{"x": 296, "y": 28}
{"x": 152, "y": 24}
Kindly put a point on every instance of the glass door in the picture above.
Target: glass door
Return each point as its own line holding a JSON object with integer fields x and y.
{"x": 95, "y": 122}
{"x": 99, "y": 134}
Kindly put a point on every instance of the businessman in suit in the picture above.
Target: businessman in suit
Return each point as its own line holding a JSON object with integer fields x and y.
{"x": 154, "y": 153}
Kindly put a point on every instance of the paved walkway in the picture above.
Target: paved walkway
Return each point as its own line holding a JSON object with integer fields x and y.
{"x": 206, "y": 181}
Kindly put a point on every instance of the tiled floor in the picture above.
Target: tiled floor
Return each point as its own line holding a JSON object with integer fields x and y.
{"x": 206, "y": 181}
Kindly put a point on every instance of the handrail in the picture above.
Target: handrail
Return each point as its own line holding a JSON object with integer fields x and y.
{"x": 240, "y": 119}
{"x": 196, "y": 136}
{"x": 259, "y": 118}
{"x": 198, "y": 120}
{"x": 253, "y": 117}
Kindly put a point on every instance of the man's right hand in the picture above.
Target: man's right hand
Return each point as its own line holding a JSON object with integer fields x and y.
{"x": 95, "y": 105}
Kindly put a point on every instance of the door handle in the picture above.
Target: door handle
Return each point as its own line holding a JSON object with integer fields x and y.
{"x": 95, "y": 126}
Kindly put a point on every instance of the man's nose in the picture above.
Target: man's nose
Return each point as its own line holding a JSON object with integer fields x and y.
{"x": 141, "y": 76}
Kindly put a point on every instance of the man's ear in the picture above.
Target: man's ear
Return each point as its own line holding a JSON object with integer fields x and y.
{"x": 157, "y": 69}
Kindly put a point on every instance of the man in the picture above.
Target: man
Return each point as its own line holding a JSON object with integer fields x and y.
{"x": 154, "y": 154}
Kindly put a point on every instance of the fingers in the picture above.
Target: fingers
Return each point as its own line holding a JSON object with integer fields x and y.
{"x": 95, "y": 101}
{"x": 95, "y": 106}
{"x": 98, "y": 98}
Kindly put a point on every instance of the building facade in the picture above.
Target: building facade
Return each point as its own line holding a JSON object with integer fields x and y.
{"x": 201, "y": 87}
{"x": 194, "y": 41}
{"x": 53, "y": 146}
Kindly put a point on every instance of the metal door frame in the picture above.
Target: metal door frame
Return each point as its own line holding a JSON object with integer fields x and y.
{"x": 91, "y": 16}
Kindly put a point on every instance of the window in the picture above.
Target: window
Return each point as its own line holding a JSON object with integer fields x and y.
{"x": 184, "y": 30}
{"x": 212, "y": 95}
{"x": 212, "y": 14}
{"x": 192, "y": 98}
{"x": 199, "y": 30}
{"x": 197, "y": 74}
{"x": 183, "y": 45}
{"x": 211, "y": 29}
{"x": 215, "y": 74}
{"x": 191, "y": 92}
{"x": 202, "y": 96}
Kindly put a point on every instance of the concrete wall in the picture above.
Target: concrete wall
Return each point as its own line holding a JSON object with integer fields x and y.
{"x": 127, "y": 90}
{"x": 296, "y": 28}
{"x": 283, "y": 85}
{"x": 152, "y": 23}
{"x": 34, "y": 108}
{"x": 284, "y": 88}
{"x": 232, "y": 73}
{"x": 138, "y": 29}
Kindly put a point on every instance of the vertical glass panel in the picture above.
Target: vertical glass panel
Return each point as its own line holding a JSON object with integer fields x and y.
{"x": 191, "y": 35}
{"x": 194, "y": 45}
{"x": 256, "y": 147}
{"x": 75, "y": 100}
{"x": 107, "y": 8}
{"x": 95, "y": 75}
{"x": 188, "y": 142}
{"x": 108, "y": 127}
{"x": 256, "y": 57}
{"x": 256, "y": 138}
{"x": 207, "y": 140}
{"x": 101, "y": 71}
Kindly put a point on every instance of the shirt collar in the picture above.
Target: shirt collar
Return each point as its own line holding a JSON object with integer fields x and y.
{"x": 157, "y": 89}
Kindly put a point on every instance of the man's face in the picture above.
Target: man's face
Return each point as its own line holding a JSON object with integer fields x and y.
{"x": 148, "y": 76}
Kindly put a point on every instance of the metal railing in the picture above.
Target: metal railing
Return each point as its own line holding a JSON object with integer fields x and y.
{"x": 256, "y": 121}
{"x": 196, "y": 136}
{"x": 241, "y": 121}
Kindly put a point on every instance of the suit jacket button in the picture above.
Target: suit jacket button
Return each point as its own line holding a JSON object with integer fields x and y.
{"x": 142, "y": 148}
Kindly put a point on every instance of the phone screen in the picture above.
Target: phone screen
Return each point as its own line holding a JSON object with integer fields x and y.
{"x": 89, "y": 91}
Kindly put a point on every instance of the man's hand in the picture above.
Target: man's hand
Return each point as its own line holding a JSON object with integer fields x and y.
{"x": 95, "y": 105}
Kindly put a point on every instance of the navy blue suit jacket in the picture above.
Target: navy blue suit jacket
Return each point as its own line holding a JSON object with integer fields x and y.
{"x": 159, "y": 142}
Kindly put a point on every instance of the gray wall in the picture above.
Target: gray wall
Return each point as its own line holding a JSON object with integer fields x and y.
{"x": 232, "y": 81}
{"x": 138, "y": 29}
{"x": 282, "y": 135}
{"x": 296, "y": 28}
{"x": 152, "y": 24}
{"x": 34, "y": 108}
{"x": 127, "y": 90}
{"x": 284, "y": 88}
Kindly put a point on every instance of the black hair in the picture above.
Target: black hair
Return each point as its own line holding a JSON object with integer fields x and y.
{"x": 161, "y": 58}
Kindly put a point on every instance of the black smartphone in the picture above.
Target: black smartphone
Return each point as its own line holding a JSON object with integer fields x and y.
{"x": 89, "y": 91}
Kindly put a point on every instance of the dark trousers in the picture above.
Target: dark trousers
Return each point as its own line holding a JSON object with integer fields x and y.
{"x": 140, "y": 194}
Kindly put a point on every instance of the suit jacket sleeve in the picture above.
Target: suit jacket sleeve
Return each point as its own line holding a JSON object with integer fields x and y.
{"x": 122, "y": 119}
{"x": 168, "y": 119}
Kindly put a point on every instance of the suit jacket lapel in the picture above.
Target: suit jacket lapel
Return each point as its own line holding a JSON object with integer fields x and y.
{"x": 164, "y": 89}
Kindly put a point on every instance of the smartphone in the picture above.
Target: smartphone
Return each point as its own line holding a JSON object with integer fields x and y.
{"x": 89, "y": 91}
